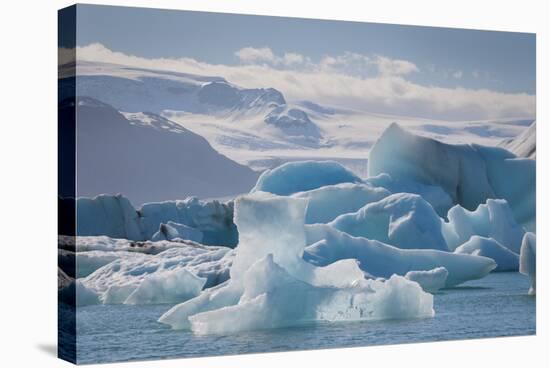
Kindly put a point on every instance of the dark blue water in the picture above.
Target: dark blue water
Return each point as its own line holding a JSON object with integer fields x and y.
{"x": 497, "y": 305}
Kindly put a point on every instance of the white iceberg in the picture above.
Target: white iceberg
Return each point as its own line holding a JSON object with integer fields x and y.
{"x": 328, "y": 202}
{"x": 479, "y": 246}
{"x": 524, "y": 145}
{"x": 431, "y": 281}
{"x": 214, "y": 219}
{"x": 329, "y": 245}
{"x": 106, "y": 244}
{"x": 528, "y": 260}
{"x": 433, "y": 194}
{"x": 469, "y": 174}
{"x": 491, "y": 220}
{"x": 273, "y": 298}
{"x": 89, "y": 262}
{"x": 272, "y": 286}
{"x": 300, "y": 176}
{"x": 188, "y": 219}
{"x": 404, "y": 220}
{"x": 172, "y": 276}
{"x": 173, "y": 230}
{"x": 113, "y": 216}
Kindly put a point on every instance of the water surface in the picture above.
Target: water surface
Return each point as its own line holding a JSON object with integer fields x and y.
{"x": 497, "y": 305}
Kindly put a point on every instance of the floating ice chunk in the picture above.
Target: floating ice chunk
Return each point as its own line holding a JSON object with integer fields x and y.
{"x": 173, "y": 230}
{"x": 469, "y": 174}
{"x": 300, "y": 176}
{"x": 272, "y": 286}
{"x": 73, "y": 292}
{"x": 479, "y": 246}
{"x": 220, "y": 296}
{"x": 213, "y": 218}
{"x": 327, "y": 203}
{"x": 270, "y": 224}
{"x": 491, "y": 220}
{"x": 106, "y": 244}
{"x": 89, "y": 262}
{"x": 434, "y": 195}
{"x": 404, "y": 220}
{"x": 528, "y": 260}
{"x": 382, "y": 260}
{"x": 85, "y": 296}
{"x": 166, "y": 286}
{"x": 430, "y": 281}
{"x": 273, "y": 298}
{"x": 112, "y": 216}
{"x": 168, "y": 277}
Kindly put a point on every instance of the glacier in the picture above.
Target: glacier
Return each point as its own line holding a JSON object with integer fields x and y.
{"x": 300, "y": 176}
{"x": 528, "y": 260}
{"x": 469, "y": 174}
{"x": 505, "y": 259}
{"x": 404, "y": 220}
{"x": 328, "y": 245}
{"x": 272, "y": 286}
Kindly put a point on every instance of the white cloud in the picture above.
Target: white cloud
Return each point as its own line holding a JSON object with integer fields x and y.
{"x": 332, "y": 81}
{"x": 254, "y": 55}
{"x": 292, "y": 58}
{"x": 457, "y": 74}
{"x": 387, "y": 66}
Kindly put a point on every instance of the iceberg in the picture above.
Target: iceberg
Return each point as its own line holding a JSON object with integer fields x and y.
{"x": 173, "y": 230}
{"x": 213, "y": 219}
{"x": 272, "y": 298}
{"x": 431, "y": 281}
{"x": 328, "y": 202}
{"x": 89, "y": 262}
{"x": 433, "y": 194}
{"x": 404, "y": 220}
{"x": 329, "y": 245}
{"x": 493, "y": 219}
{"x": 272, "y": 286}
{"x": 469, "y": 174}
{"x": 172, "y": 276}
{"x": 301, "y": 176}
{"x": 106, "y": 244}
{"x": 210, "y": 222}
{"x": 528, "y": 260}
{"x": 479, "y": 246}
{"x": 524, "y": 145}
{"x": 113, "y": 216}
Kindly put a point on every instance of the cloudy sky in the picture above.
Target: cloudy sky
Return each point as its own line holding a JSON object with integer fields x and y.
{"x": 416, "y": 71}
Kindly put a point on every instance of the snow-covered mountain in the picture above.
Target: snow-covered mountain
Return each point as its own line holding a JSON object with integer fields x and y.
{"x": 524, "y": 145}
{"x": 148, "y": 158}
{"x": 259, "y": 127}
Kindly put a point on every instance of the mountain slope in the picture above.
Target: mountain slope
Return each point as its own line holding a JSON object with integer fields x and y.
{"x": 148, "y": 158}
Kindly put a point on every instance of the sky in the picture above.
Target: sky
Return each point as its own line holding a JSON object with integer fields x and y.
{"x": 439, "y": 72}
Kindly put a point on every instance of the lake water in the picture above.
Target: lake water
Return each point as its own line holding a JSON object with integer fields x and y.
{"x": 497, "y": 305}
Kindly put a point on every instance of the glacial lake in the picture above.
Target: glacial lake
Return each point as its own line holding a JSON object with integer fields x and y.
{"x": 497, "y": 305}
